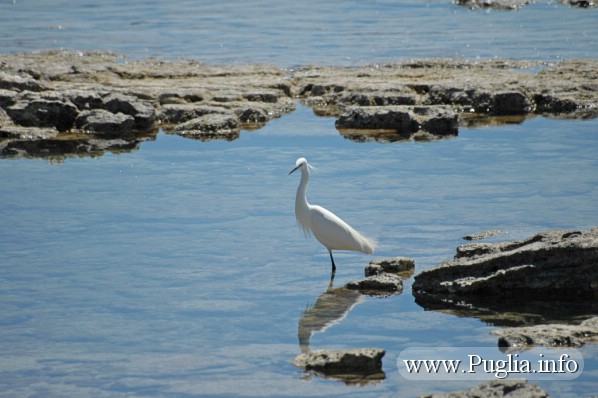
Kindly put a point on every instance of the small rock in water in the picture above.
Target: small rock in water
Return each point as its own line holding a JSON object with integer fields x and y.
{"x": 389, "y": 265}
{"x": 484, "y": 234}
{"x": 335, "y": 362}
{"x": 497, "y": 389}
{"x": 372, "y": 285}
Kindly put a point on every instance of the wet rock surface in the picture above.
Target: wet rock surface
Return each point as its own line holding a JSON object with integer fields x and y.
{"x": 544, "y": 288}
{"x": 497, "y": 389}
{"x": 550, "y": 264}
{"x": 550, "y": 335}
{"x": 105, "y": 96}
{"x": 447, "y": 93}
{"x": 354, "y": 366}
{"x": 384, "y": 277}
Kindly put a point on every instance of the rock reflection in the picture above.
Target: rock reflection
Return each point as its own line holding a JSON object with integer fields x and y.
{"x": 510, "y": 311}
{"x": 57, "y": 148}
{"x": 389, "y": 136}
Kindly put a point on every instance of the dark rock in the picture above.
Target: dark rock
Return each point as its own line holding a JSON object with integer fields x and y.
{"x": 511, "y": 103}
{"x": 496, "y": 4}
{"x": 375, "y": 284}
{"x": 551, "y": 103}
{"x": 269, "y": 97}
{"x": 441, "y": 121}
{"x": 143, "y": 112}
{"x": 43, "y": 113}
{"x": 85, "y": 100}
{"x": 252, "y": 115}
{"x": 551, "y": 335}
{"x": 389, "y": 265}
{"x": 102, "y": 122}
{"x": 7, "y": 98}
{"x": 581, "y": 3}
{"x": 337, "y": 362}
{"x": 548, "y": 264}
{"x": 483, "y": 235}
{"x": 497, "y": 389}
{"x": 438, "y": 120}
{"x": 377, "y": 118}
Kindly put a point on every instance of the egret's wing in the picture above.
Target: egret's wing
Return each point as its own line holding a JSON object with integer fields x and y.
{"x": 336, "y": 234}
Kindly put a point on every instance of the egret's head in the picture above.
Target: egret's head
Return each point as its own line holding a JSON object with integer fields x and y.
{"x": 301, "y": 163}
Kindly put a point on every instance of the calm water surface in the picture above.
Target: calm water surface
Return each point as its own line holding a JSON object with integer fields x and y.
{"x": 178, "y": 270}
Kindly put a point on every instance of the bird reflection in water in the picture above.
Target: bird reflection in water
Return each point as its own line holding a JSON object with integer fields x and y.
{"x": 331, "y": 307}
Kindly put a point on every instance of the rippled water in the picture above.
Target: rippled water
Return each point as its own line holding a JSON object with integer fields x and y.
{"x": 178, "y": 270}
{"x": 289, "y": 33}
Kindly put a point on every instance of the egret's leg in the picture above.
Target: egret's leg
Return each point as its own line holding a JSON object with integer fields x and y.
{"x": 331, "y": 280}
{"x": 332, "y": 259}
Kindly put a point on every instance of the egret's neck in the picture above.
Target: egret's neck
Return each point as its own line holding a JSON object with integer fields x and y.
{"x": 301, "y": 198}
{"x": 301, "y": 204}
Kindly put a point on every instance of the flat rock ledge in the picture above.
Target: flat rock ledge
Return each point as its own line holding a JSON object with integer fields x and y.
{"x": 384, "y": 277}
{"x": 351, "y": 365}
{"x": 100, "y": 95}
{"x": 556, "y": 263}
{"x": 497, "y": 389}
{"x": 430, "y": 99}
{"x": 55, "y": 97}
{"x": 521, "y": 338}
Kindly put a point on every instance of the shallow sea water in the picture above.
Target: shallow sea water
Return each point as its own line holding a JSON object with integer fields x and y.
{"x": 178, "y": 269}
{"x": 291, "y": 33}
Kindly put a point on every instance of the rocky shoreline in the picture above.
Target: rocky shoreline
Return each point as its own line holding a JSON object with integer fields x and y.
{"x": 543, "y": 289}
{"x": 60, "y": 103}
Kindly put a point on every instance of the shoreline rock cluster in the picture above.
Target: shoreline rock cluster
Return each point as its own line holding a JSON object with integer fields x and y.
{"x": 543, "y": 287}
{"x": 90, "y": 98}
{"x": 84, "y": 103}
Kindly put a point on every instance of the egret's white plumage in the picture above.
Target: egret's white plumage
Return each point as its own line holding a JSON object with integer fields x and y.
{"x": 327, "y": 227}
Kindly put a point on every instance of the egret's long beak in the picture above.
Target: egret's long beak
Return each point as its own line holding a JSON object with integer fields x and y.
{"x": 291, "y": 172}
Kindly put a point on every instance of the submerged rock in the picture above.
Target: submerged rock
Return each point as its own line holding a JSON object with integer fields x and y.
{"x": 549, "y": 264}
{"x": 497, "y": 389}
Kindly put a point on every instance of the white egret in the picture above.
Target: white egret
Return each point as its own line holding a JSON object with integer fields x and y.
{"x": 328, "y": 228}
